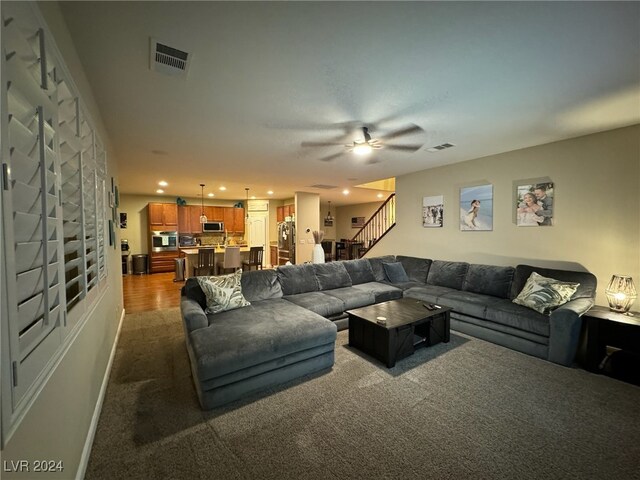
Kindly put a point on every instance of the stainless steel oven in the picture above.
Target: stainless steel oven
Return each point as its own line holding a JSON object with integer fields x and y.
{"x": 164, "y": 241}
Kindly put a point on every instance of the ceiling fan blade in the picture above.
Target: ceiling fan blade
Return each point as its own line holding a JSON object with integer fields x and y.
{"x": 403, "y": 148}
{"x": 410, "y": 130}
{"x": 319, "y": 144}
{"x": 331, "y": 157}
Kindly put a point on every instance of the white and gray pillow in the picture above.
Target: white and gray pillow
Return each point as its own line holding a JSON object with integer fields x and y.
{"x": 223, "y": 292}
{"x": 544, "y": 294}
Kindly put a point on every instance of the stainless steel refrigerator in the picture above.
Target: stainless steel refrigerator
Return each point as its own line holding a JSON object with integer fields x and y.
{"x": 286, "y": 242}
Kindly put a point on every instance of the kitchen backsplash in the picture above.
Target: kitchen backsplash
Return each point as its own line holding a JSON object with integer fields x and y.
{"x": 217, "y": 239}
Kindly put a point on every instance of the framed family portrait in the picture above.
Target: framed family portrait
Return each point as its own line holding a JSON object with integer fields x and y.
{"x": 476, "y": 208}
{"x": 433, "y": 211}
{"x": 534, "y": 204}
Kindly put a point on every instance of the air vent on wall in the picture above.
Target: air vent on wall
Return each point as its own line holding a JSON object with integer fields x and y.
{"x": 168, "y": 60}
{"x": 323, "y": 187}
{"x": 442, "y": 146}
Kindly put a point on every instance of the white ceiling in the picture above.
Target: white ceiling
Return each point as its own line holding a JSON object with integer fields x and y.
{"x": 264, "y": 77}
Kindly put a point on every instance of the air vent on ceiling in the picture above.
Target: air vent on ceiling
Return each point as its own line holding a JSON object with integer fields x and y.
{"x": 442, "y": 146}
{"x": 168, "y": 60}
{"x": 324, "y": 187}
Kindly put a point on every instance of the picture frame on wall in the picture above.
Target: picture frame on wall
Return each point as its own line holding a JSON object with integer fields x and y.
{"x": 476, "y": 208}
{"x": 433, "y": 211}
{"x": 357, "y": 222}
{"x": 534, "y": 203}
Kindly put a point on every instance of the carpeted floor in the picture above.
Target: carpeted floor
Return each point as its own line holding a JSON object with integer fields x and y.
{"x": 467, "y": 409}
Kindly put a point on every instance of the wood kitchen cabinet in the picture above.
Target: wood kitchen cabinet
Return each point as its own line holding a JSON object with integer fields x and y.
{"x": 194, "y": 219}
{"x": 184, "y": 219}
{"x": 163, "y": 216}
{"x": 238, "y": 216}
{"x": 163, "y": 261}
{"x": 216, "y": 214}
{"x": 280, "y": 214}
{"x": 274, "y": 254}
{"x": 229, "y": 220}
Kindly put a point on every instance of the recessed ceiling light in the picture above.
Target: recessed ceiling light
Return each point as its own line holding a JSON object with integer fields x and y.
{"x": 380, "y": 195}
{"x": 159, "y": 190}
{"x": 345, "y": 191}
{"x": 162, "y": 183}
{"x": 210, "y": 194}
{"x": 270, "y": 192}
{"x": 223, "y": 188}
{"x": 253, "y": 197}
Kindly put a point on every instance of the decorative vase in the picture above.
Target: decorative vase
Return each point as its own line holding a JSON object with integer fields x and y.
{"x": 318, "y": 254}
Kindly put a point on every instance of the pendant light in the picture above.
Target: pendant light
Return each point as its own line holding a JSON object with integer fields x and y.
{"x": 329, "y": 218}
{"x": 203, "y": 217}
{"x": 246, "y": 205}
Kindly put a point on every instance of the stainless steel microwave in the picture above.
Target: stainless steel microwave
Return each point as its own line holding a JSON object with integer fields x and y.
{"x": 212, "y": 227}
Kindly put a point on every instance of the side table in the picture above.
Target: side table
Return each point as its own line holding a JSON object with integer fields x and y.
{"x": 603, "y": 328}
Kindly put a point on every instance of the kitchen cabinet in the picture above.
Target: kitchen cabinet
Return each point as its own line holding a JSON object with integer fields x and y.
{"x": 280, "y": 214}
{"x": 239, "y": 219}
{"x": 216, "y": 214}
{"x": 194, "y": 219}
{"x": 184, "y": 219}
{"x": 229, "y": 220}
{"x": 163, "y": 261}
{"x": 274, "y": 255}
{"x": 163, "y": 216}
{"x": 285, "y": 211}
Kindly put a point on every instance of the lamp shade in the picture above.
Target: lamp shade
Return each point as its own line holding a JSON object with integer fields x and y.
{"x": 621, "y": 293}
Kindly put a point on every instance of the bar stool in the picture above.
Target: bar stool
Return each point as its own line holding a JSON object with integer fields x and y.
{"x": 255, "y": 259}
{"x": 206, "y": 262}
{"x": 231, "y": 260}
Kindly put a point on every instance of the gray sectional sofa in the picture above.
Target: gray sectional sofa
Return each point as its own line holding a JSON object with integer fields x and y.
{"x": 289, "y": 330}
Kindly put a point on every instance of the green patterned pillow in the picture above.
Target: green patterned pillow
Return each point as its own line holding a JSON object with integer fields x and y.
{"x": 544, "y": 294}
{"x": 223, "y": 292}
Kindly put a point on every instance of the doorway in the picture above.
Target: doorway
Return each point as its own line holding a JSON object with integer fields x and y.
{"x": 258, "y": 230}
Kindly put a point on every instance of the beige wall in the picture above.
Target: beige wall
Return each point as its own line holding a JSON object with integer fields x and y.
{"x": 307, "y": 217}
{"x": 135, "y": 206}
{"x": 343, "y": 218}
{"x": 596, "y": 209}
{"x": 57, "y": 424}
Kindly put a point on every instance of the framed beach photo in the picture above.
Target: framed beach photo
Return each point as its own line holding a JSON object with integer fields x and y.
{"x": 534, "y": 204}
{"x": 433, "y": 211}
{"x": 476, "y": 208}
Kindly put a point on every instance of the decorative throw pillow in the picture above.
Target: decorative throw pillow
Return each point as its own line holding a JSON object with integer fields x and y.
{"x": 223, "y": 292}
{"x": 544, "y": 294}
{"x": 395, "y": 272}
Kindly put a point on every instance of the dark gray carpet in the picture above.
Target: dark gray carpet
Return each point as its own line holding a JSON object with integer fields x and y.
{"x": 467, "y": 409}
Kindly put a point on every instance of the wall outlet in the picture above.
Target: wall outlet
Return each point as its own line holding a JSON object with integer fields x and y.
{"x": 302, "y": 240}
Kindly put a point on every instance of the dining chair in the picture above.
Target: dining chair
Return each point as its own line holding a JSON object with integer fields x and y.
{"x": 206, "y": 262}
{"x": 231, "y": 260}
{"x": 341, "y": 251}
{"x": 255, "y": 259}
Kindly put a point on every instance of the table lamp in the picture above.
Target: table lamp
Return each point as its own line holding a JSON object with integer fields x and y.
{"x": 621, "y": 293}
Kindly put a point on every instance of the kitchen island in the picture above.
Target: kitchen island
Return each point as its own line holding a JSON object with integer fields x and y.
{"x": 191, "y": 256}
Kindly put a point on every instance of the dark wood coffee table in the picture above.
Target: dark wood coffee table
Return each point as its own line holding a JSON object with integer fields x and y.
{"x": 408, "y": 325}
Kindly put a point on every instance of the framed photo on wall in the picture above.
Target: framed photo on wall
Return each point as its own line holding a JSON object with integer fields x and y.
{"x": 433, "y": 211}
{"x": 476, "y": 208}
{"x": 534, "y": 204}
{"x": 357, "y": 222}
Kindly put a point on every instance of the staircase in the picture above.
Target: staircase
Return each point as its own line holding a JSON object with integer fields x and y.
{"x": 383, "y": 220}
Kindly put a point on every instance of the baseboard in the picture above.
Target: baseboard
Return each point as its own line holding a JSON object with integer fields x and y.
{"x": 86, "y": 451}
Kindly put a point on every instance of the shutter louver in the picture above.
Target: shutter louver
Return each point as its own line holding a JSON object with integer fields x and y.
{"x": 89, "y": 186}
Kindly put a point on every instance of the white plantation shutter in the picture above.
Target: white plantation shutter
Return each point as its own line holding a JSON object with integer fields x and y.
{"x": 53, "y": 182}
{"x": 31, "y": 201}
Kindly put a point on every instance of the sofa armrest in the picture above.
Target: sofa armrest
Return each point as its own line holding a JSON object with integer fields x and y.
{"x": 565, "y": 324}
{"x": 192, "y": 314}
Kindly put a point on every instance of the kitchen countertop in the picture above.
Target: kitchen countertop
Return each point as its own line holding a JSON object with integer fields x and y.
{"x": 194, "y": 250}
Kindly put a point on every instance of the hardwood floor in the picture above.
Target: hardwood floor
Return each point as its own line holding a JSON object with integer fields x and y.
{"x": 150, "y": 292}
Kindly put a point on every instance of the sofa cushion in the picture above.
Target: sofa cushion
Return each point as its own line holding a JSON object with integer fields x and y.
{"x": 382, "y": 292}
{"x": 395, "y": 272}
{"x": 223, "y": 292}
{"x": 352, "y": 297}
{"x": 359, "y": 270}
{"x": 544, "y": 294}
{"x": 468, "y": 303}
{"x": 489, "y": 280}
{"x": 406, "y": 285}
{"x": 587, "y": 281}
{"x": 428, "y": 293}
{"x": 447, "y": 274}
{"x": 378, "y": 269}
{"x": 261, "y": 332}
{"x": 417, "y": 268}
{"x": 317, "y": 302}
{"x": 331, "y": 275}
{"x": 505, "y": 312}
{"x": 260, "y": 285}
{"x": 296, "y": 279}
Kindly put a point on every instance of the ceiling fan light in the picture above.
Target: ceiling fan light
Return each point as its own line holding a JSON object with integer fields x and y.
{"x": 362, "y": 148}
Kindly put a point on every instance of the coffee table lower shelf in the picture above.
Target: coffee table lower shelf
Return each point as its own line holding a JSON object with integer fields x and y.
{"x": 395, "y": 342}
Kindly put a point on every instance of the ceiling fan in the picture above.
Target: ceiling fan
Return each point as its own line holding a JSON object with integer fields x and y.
{"x": 364, "y": 144}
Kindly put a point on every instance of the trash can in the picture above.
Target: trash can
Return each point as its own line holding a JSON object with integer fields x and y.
{"x": 139, "y": 263}
{"x": 179, "y": 270}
